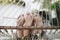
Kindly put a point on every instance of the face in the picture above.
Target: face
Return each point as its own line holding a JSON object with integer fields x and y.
{"x": 22, "y": 14}
{"x": 28, "y": 13}
{"x": 35, "y": 14}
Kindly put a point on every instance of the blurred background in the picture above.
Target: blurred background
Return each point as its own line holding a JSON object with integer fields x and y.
{"x": 10, "y": 10}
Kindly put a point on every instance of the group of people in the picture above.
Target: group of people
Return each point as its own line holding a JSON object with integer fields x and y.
{"x": 26, "y": 21}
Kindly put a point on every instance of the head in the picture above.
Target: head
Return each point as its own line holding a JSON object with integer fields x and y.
{"x": 28, "y": 13}
{"x": 36, "y": 13}
{"x": 22, "y": 14}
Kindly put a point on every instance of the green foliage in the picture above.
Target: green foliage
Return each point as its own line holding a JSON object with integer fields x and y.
{"x": 36, "y": 1}
{"x": 46, "y": 3}
{"x": 54, "y": 5}
{"x": 49, "y": 5}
